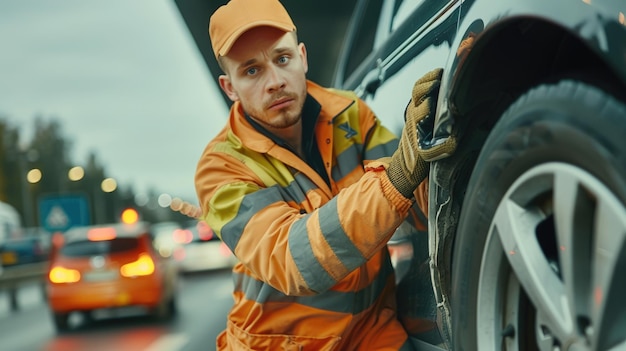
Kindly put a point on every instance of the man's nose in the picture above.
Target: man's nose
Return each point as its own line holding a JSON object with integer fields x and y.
{"x": 275, "y": 80}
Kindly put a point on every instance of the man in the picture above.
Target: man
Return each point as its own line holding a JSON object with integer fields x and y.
{"x": 296, "y": 187}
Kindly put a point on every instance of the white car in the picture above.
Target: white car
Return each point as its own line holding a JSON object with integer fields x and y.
{"x": 10, "y": 223}
{"x": 165, "y": 237}
{"x": 202, "y": 250}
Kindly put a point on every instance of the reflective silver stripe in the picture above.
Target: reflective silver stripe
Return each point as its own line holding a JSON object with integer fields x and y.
{"x": 249, "y": 206}
{"x": 337, "y": 238}
{"x": 351, "y": 158}
{"x": 256, "y": 201}
{"x": 347, "y": 161}
{"x": 330, "y": 300}
{"x": 300, "y": 187}
{"x": 382, "y": 150}
{"x": 315, "y": 276}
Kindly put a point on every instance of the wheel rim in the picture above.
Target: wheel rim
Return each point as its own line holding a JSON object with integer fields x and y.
{"x": 550, "y": 271}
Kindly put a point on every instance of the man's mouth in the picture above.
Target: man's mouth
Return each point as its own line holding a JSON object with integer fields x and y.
{"x": 280, "y": 103}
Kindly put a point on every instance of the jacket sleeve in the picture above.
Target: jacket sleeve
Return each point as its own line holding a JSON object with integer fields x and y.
{"x": 296, "y": 253}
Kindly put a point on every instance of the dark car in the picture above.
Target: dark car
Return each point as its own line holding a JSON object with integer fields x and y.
{"x": 23, "y": 250}
{"x": 527, "y": 220}
{"x": 109, "y": 268}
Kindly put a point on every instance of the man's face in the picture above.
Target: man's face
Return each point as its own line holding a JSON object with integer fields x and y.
{"x": 266, "y": 72}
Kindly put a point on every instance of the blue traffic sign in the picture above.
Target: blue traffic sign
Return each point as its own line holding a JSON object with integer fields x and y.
{"x": 58, "y": 213}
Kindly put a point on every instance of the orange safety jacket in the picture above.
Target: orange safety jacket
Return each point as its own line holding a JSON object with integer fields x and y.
{"x": 314, "y": 271}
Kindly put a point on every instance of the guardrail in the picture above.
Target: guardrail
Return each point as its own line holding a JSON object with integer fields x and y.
{"x": 12, "y": 277}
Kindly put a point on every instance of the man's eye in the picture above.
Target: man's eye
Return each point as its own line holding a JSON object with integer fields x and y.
{"x": 251, "y": 71}
{"x": 283, "y": 59}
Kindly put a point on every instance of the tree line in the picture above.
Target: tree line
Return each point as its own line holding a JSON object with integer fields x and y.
{"x": 49, "y": 151}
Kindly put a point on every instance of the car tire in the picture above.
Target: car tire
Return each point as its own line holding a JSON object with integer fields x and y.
{"x": 61, "y": 322}
{"x": 540, "y": 245}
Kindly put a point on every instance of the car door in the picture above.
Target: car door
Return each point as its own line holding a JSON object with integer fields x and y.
{"x": 389, "y": 45}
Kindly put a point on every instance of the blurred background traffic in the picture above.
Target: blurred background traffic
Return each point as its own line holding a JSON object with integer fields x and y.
{"x": 101, "y": 124}
{"x": 104, "y": 111}
{"x": 144, "y": 286}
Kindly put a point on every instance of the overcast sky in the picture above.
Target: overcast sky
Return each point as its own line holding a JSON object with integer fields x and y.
{"x": 124, "y": 79}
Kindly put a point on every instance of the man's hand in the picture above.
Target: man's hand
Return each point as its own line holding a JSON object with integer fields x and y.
{"x": 409, "y": 166}
{"x": 421, "y": 107}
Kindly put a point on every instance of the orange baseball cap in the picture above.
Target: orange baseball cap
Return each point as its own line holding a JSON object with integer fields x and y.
{"x": 230, "y": 21}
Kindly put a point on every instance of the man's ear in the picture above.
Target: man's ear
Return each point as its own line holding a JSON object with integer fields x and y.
{"x": 305, "y": 63}
{"x": 227, "y": 87}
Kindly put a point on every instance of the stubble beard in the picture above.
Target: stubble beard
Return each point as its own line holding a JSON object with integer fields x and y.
{"x": 283, "y": 118}
{"x": 286, "y": 119}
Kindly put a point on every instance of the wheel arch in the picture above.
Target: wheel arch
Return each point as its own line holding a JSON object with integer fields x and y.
{"x": 505, "y": 61}
{"x": 511, "y": 57}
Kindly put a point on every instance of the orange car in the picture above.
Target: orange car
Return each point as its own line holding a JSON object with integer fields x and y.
{"x": 109, "y": 267}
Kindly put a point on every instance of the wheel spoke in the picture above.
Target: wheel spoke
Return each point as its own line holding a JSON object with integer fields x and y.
{"x": 591, "y": 226}
{"x": 608, "y": 260}
{"x": 573, "y": 213}
{"x": 515, "y": 223}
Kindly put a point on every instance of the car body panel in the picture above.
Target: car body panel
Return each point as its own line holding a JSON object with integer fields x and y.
{"x": 107, "y": 294}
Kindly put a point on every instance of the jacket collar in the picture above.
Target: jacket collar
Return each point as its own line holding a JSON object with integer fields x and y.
{"x": 255, "y": 137}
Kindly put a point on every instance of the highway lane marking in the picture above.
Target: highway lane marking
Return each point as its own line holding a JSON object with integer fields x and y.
{"x": 170, "y": 342}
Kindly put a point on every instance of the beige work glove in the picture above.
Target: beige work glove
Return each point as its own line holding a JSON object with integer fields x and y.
{"x": 408, "y": 166}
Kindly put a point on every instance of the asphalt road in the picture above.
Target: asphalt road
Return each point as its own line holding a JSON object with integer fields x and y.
{"x": 203, "y": 303}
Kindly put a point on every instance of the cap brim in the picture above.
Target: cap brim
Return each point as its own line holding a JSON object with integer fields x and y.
{"x": 228, "y": 44}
